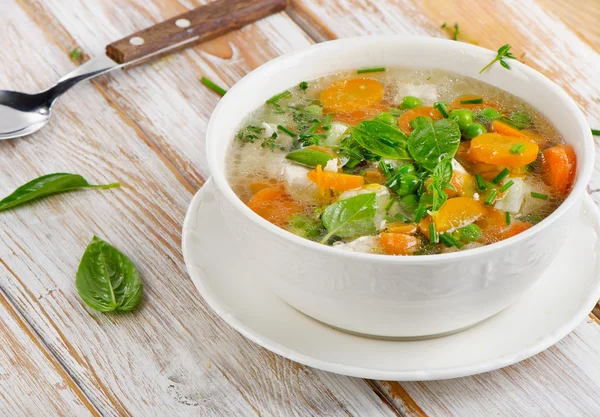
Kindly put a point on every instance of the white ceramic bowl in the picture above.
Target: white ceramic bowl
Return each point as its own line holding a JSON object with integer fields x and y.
{"x": 385, "y": 295}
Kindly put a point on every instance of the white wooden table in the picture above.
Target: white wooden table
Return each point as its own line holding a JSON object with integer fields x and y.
{"x": 145, "y": 127}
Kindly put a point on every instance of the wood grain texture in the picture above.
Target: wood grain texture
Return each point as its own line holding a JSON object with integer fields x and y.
{"x": 30, "y": 378}
{"x": 200, "y": 24}
{"x": 172, "y": 356}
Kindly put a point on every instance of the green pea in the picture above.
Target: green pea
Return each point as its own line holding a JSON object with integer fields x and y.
{"x": 410, "y": 102}
{"x": 521, "y": 118}
{"x": 409, "y": 203}
{"x": 426, "y": 199}
{"x": 474, "y": 130}
{"x": 470, "y": 233}
{"x": 409, "y": 184}
{"x": 406, "y": 169}
{"x": 488, "y": 114}
{"x": 463, "y": 117}
{"x": 386, "y": 118}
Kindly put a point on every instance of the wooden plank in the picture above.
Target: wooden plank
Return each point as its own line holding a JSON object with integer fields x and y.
{"x": 567, "y": 387}
{"x": 550, "y": 46}
{"x": 30, "y": 377}
{"x": 173, "y": 356}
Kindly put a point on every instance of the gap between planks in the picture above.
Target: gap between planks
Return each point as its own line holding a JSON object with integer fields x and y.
{"x": 319, "y": 33}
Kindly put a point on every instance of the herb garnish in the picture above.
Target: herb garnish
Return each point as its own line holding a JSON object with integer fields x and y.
{"x": 107, "y": 280}
{"x": 274, "y": 101}
{"x": 502, "y": 54}
{"x": 472, "y": 101}
{"x": 507, "y": 186}
{"x": 250, "y": 133}
{"x": 442, "y": 108}
{"x": 503, "y": 174}
{"x": 455, "y": 32}
{"x": 48, "y": 185}
{"x": 381, "y": 139}
{"x": 440, "y": 180}
{"x": 517, "y": 149}
{"x": 449, "y": 240}
{"x": 430, "y": 141}
{"x": 507, "y": 217}
{"x": 372, "y": 69}
{"x": 433, "y": 234}
{"x": 491, "y": 198}
{"x": 76, "y": 55}
{"x": 481, "y": 185}
{"x": 287, "y": 131}
{"x": 350, "y": 217}
{"x": 596, "y": 132}
{"x": 303, "y": 85}
{"x": 213, "y": 86}
{"x": 539, "y": 196}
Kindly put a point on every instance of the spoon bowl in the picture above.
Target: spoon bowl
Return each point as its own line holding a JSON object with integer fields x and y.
{"x": 22, "y": 114}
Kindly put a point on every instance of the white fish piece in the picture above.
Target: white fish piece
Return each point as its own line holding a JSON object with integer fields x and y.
{"x": 270, "y": 128}
{"x": 332, "y": 165}
{"x": 365, "y": 244}
{"x": 336, "y": 134}
{"x": 297, "y": 184}
{"x": 512, "y": 200}
{"x": 382, "y": 199}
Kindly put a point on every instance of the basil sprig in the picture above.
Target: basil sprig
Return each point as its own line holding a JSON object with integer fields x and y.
{"x": 381, "y": 139}
{"x": 430, "y": 142}
{"x": 48, "y": 185}
{"x": 107, "y": 280}
{"x": 351, "y": 217}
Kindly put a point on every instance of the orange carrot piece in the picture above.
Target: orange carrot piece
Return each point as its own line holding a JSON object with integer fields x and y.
{"x": 274, "y": 205}
{"x": 456, "y": 104}
{"x": 506, "y": 130}
{"x": 401, "y": 227}
{"x": 398, "y": 243}
{"x": 494, "y": 228}
{"x": 409, "y": 115}
{"x": 559, "y": 166}
{"x": 494, "y": 148}
{"x": 355, "y": 117}
{"x": 458, "y": 212}
{"x": 335, "y": 181}
{"x": 351, "y": 94}
{"x": 258, "y": 185}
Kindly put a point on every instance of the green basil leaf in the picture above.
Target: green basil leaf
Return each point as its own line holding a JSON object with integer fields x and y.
{"x": 48, "y": 185}
{"x": 107, "y": 280}
{"x": 381, "y": 139}
{"x": 441, "y": 177}
{"x": 351, "y": 217}
{"x": 430, "y": 142}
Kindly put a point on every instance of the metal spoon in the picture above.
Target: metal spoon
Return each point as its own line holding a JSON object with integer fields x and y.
{"x": 22, "y": 114}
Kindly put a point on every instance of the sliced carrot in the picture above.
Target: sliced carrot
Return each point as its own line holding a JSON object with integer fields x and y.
{"x": 398, "y": 243}
{"x": 374, "y": 176}
{"x": 458, "y": 212}
{"x": 355, "y": 117}
{"x": 351, "y": 94}
{"x": 335, "y": 181}
{"x": 258, "y": 185}
{"x": 495, "y": 149}
{"x": 464, "y": 185}
{"x": 506, "y": 130}
{"x": 274, "y": 205}
{"x": 456, "y": 104}
{"x": 400, "y": 227}
{"x": 494, "y": 228}
{"x": 409, "y": 115}
{"x": 559, "y": 165}
{"x": 515, "y": 228}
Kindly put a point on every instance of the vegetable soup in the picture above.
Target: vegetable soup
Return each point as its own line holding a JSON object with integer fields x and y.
{"x": 400, "y": 162}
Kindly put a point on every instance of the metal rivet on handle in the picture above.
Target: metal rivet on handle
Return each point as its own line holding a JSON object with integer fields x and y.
{"x": 136, "y": 40}
{"x": 183, "y": 23}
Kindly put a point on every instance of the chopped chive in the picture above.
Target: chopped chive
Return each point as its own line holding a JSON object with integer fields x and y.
{"x": 420, "y": 212}
{"x": 512, "y": 123}
{"x": 385, "y": 168}
{"x": 303, "y": 85}
{"x": 517, "y": 149}
{"x": 433, "y": 234}
{"x": 314, "y": 127}
{"x": 402, "y": 217}
{"x": 327, "y": 121}
{"x": 213, "y": 86}
{"x": 449, "y": 240}
{"x": 539, "y": 195}
{"x": 596, "y": 132}
{"x": 278, "y": 97}
{"x": 507, "y": 186}
{"x": 507, "y": 217}
{"x": 489, "y": 200}
{"x": 441, "y": 108}
{"x": 503, "y": 174}
{"x": 389, "y": 205}
{"x": 372, "y": 69}
{"x": 287, "y": 131}
{"x": 481, "y": 185}
{"x": 472, "y": 101}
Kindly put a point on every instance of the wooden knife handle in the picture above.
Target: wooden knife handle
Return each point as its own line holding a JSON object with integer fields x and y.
{"x": 198, "y": 25}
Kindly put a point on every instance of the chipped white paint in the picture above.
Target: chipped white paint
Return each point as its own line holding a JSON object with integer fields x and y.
{"x": 183, "y": 23}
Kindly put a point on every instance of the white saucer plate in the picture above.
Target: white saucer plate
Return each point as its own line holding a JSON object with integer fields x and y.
{"x": 552, "y": 308}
